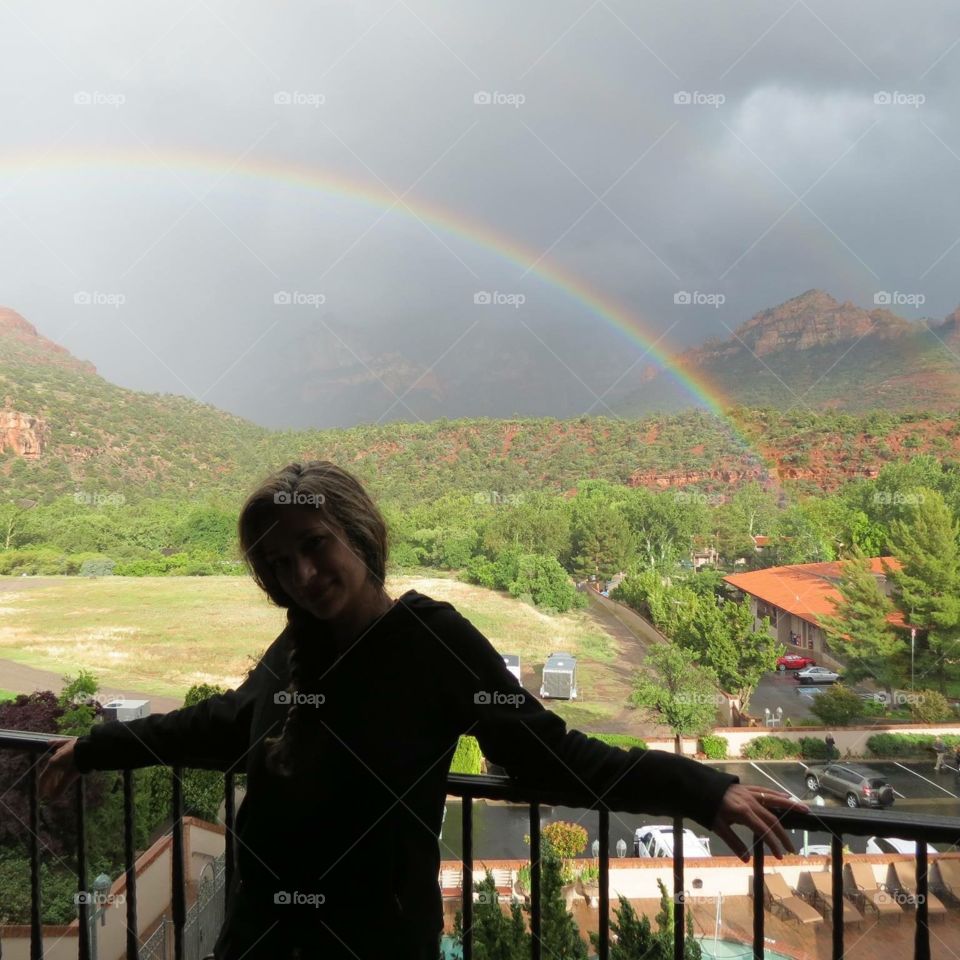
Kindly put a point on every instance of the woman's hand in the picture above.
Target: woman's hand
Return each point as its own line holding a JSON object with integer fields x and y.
{"x": 756, "y": 808}
{"x": 60, "y": 772}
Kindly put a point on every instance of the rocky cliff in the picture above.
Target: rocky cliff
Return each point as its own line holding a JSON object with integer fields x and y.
{"x": 25, "y": 435}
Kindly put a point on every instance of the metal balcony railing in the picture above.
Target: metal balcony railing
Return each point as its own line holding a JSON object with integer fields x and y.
{"x": 837, "y": 822}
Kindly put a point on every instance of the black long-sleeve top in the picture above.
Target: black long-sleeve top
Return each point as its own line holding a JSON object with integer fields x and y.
{"x": 349, "y": 855}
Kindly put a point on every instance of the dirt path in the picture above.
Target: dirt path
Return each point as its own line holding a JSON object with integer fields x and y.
{"x": 634, "y": 635}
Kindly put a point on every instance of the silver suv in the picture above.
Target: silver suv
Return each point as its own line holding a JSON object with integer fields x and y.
{"x": 856, "y": 785}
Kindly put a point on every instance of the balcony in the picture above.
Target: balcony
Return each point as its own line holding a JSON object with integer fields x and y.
{"x": 828, "y": 897}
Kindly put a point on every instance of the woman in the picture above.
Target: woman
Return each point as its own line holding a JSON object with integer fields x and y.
{"x": 346, "y": 729}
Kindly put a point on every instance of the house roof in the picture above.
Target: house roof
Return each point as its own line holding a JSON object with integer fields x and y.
{"x": 806, "y": 589}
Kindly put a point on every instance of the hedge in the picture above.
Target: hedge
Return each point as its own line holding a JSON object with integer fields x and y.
{"x": 771, "y": 748}
{"x": 624, "y": 740}
{"x": 908, "y": 744}
{"x": 813, "y": 748}
{"x": 715, "y": 747}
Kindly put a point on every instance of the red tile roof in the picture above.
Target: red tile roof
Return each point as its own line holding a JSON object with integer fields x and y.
{"x": 806, "y": 589}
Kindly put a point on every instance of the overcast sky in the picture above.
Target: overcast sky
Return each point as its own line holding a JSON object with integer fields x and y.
{"x": 143, "y": 229}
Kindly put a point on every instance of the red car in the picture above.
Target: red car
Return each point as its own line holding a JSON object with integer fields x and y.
{"x": 794, "y": 661}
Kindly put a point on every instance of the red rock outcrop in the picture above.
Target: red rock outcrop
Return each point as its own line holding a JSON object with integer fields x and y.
{"x": 25, "y": 435}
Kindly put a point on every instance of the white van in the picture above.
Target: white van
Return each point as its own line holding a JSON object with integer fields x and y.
{"x": 656, "y": 840}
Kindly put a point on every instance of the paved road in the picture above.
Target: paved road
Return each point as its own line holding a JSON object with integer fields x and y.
{"x": 20, "y": 678}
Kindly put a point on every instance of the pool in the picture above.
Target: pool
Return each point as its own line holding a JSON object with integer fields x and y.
{"x": 731, "y": 949}
{"x": 712, "y": 950}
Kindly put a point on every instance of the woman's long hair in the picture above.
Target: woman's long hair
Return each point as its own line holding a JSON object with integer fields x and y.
{"x": 340, "y": 497}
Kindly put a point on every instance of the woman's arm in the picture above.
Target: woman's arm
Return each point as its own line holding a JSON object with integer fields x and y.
{"x": 534, "y": 745}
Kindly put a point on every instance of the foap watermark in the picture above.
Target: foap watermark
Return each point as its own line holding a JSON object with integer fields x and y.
{"x": 299, "y": 98}
{"x": 98, "y": 298}
{"x": 698, "y": 298}
{"x": 883, "y": 298}
{"x": 97, "y": 98}
{"x": 899, "y": 698}
{"x": 897, "y": 98}
{"x": 94, "y": 898}
{"x": 497, "y": 98}
{"x": 299, "y": 498}
{"x": 495, "y": 698}
{"x": 497, "y": 298}
{"x": 715, "y": 699}
{"x": 699, "y": 98}
{"x": 693, "y": 496}
{"x": 87, "y": 499}
{"x": 298, "y": 898}
{"x": 298, "y": 298}
{"x": 289, "y": 698}
{"x": 496, "y": 498}
{"x": 897, "y": 499}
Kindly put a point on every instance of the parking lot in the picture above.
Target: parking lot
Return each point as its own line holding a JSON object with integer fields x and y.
{"x": 499, "y": 829}
{"x": 782, "y": 690}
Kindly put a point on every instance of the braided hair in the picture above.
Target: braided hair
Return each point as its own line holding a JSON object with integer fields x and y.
{"x": 340, "y": 497}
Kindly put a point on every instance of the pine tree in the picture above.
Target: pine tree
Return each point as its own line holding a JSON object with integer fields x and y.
{"x": 926, "y": 544}
{"x": 560, "y": 936}
{"x": 636, "y": 939}
{"x": 860, "y": 633}
{"x": 495, "y": 936}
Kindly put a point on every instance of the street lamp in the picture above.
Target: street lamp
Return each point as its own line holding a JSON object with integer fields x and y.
{"x": 100, "y": 887}
{"x": 595, "y": 847}
{"x": 621, "y": 847}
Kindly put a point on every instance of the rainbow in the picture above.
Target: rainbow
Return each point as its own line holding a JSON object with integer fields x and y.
{"x": 382, "y": 199}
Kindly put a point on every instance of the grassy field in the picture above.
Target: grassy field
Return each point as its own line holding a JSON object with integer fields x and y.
{"x": 164, "y": 634}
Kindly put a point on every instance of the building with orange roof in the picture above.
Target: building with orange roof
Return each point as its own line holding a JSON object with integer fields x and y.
{"x": 796, "y": 597}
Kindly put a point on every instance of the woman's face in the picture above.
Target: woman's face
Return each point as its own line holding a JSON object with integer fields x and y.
{"x": 314, "y": 563}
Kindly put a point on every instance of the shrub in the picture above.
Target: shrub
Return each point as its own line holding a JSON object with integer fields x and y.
{"x": 930, "y": 706}
{"x": 568, "y": 839}
{"x": 813, "y": 748}
{"x": 714, "y": 747}
{"x": 837, "y": 707}
{"x": 624, "y": 740}
{"x": 467, "y": 758}
{"x": 770, "y": 748}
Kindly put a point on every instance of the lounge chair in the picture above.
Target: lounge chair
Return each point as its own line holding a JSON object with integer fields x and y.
{"x": 865, "y": 883}
{"x": 949, "y": 873}
{"x": 823, "y": 892}
{"x": 906, "y": 874}
{"x": 780, "y": 896}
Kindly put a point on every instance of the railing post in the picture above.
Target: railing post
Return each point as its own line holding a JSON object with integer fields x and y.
{"x": 466, "y": 884}
{"x": 604, "y": 925}
{"x": 759, "y": 892}
{"x": 836, "y": 881}
{"x": 178, "y": 894}
{"x": 535, "y": 918}
{"x": 82, "y": 905}
{"x": 679, "y": 930}
{"x": 921, "y": 945}
{"x": 36, "y": 930}
{"x": 129, "y": 859}
{"x": 229, "y": 816}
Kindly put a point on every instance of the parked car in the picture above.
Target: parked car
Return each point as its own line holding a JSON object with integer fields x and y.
{"x": 895, "y": 845}
{"x": 794, "y": 661}
{"x": 815, "y": 850}
{"x": 656, "y": 840}
{"x": 857, "y": 785}
{"x": 817, "y": 675}
{"x": 809, "y": 690}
